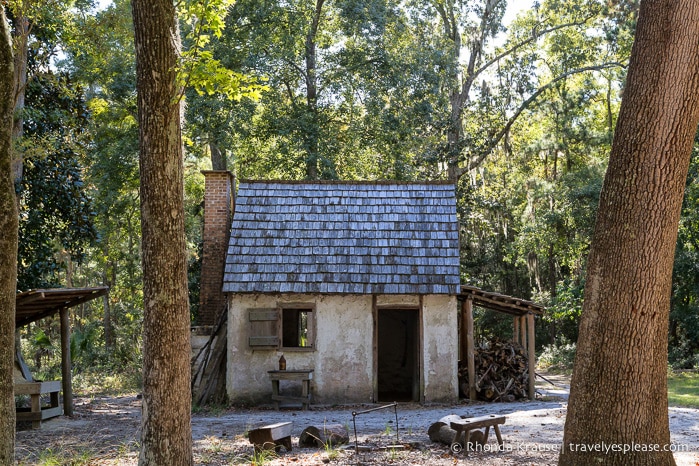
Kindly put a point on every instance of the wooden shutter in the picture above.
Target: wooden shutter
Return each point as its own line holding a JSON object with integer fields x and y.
{"x": 264, "y": 328}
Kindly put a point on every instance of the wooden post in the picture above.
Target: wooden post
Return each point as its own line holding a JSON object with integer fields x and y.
{"x": 531, "y": 355}
{"x": 66, "y": 363}
{"x": 463, "y": 343}
{"x": 523, "y": 331}
{"x": 515, "y": 332}
{"x": 470, "y": 354}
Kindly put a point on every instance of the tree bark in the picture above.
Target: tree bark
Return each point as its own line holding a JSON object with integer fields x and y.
{"x": 8, "y": 249}
{"x": 107, "y": 317}
{"x": 66, "y": 363}
{"x": 324, "y": 435}
{"x": 21, "y": 46}
{"x": 166, "y": 436}
{"x": 312, "y": 130}
{"x": 218, "y": 159}
{"x": 619, "y": 385}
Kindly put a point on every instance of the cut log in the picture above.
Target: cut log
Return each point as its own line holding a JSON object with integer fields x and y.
{"x": 325, "y": 435}
{"x": 501, "y": 372}
{"x": 434, "y": 431}
{"x": 446, "y": 435}
{"x": 477, "y": 437}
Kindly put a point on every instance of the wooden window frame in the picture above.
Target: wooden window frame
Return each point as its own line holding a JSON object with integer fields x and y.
{"x": 266, "y": 327}
{"x": 310, "y": 325}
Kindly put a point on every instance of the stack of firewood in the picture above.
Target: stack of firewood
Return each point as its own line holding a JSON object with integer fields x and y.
{"x": 501, "y": 371}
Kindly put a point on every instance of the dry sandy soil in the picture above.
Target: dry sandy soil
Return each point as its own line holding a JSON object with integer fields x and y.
{"x": 105, "y": 431}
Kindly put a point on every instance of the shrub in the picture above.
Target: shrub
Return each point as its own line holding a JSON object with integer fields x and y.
{"x": 558, "y": 357}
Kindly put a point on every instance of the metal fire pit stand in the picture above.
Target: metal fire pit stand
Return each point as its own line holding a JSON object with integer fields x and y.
{"x": 393, "y": 405}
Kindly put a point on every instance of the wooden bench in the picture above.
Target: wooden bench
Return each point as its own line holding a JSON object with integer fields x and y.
{"x": 37, "y": 413}
{"x": 463, "y": 428}
{"x": 273, "y": 436}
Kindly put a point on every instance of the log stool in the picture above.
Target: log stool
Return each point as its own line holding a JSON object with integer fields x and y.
{"x": 463, "y": 428}
{"x": 273, "y": 436}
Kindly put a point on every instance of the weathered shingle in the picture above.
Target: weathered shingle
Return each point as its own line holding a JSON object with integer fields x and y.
{"x": 358, "y": 238}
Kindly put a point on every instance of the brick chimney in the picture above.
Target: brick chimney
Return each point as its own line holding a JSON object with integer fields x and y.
{"x": 219, "y": 199}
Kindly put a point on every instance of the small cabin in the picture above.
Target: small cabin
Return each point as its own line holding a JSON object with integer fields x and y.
{"x": 355, "y": 285}
{"x": 354, "y": 281}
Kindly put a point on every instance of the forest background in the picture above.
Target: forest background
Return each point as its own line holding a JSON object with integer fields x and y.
{"x": 519, "y": 113}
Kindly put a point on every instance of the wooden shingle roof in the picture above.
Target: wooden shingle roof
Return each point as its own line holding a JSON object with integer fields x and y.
{"x": 343, "y": 237}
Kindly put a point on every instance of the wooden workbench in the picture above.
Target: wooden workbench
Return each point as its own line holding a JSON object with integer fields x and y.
{"x": 303, "y": 375}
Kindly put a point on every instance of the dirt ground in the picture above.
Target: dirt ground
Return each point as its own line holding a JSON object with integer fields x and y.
{"x": 105, "y": 431}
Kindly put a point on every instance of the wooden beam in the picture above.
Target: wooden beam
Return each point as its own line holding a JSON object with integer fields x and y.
{"x": 515, "y": 331}
{"x": 523, "y": 331}
{"x": 375, "y": 350}
{"x": 66, "y": 363}
{"x": 421, "y": 354}
{"x": 531, "y": 354}
{"x": 503, "y": 304}
{"x": 470, "y": 353}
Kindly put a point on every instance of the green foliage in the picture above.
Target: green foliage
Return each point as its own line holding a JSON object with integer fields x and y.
{"x": 683, "y": 339}
{"x": 199, "y": 68}
{"x": 364, "y": 93}
{"x": 50, "y": 457}
{"x": 683, "y": 389}
{"x": 262, "y": 457}
{"x": 371, "y": 95}
{"x": 56, "y": 216}
{"x": 194, "y": 223}
{"x": 557, "y": 357}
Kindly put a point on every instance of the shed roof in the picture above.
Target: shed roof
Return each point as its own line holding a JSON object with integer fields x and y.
{"x": 343, "y": 237}
{"x": 36, "y": 304}
{"x": 500, "y": 302}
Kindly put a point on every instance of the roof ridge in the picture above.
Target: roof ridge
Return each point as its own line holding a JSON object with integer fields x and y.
{"x": 350, "y": 182}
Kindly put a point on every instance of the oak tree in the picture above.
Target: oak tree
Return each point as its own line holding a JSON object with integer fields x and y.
{"x": 619, "y": 385}
{"x": 166, "y": 436}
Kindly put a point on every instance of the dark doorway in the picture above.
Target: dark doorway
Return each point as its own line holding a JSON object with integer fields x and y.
{"x": 397, "y": 346}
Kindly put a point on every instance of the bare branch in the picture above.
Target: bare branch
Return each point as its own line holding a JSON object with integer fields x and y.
{"x": 536, "y": 35}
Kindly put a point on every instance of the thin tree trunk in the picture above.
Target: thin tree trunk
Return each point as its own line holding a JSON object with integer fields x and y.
{"x": 8, "y": 249}
{"x": 21, "y": 48}
{"x": 619, "y": 387}
{"x": 312, "y": 131}
{"x": 107, "y": 319}
{"x": 166, "y": 436}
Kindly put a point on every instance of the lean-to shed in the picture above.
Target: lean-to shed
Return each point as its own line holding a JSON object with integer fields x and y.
{"x": 357, "y": 281}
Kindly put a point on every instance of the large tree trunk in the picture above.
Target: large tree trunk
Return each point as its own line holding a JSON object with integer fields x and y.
{"x": 218, "y": 158}
{"x": 8, "y": 249}
{"x": 619, "y": 386}
{"x": 166, "y": 436}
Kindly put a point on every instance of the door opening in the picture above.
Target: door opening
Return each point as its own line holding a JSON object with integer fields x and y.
{"x": 397, "y": 346}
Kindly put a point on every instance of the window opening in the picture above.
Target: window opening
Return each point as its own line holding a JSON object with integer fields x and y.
{"x": 295, "y": 331}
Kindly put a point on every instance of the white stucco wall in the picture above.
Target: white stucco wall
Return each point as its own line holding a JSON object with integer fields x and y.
{"x": 343, "y": 359}
{"x": 440, "y": 348}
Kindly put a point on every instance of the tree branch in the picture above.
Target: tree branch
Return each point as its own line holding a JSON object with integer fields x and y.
{"x": 519, "y": 45}
{"x": 495, "y": 140}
